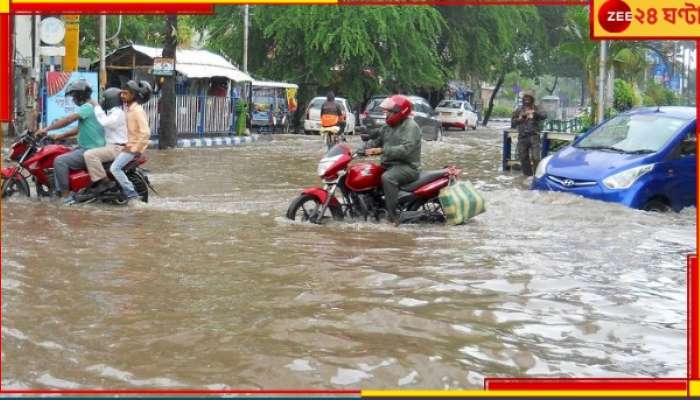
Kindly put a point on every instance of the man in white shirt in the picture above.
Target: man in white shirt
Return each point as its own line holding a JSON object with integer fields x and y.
{"x": 114, "y": 124}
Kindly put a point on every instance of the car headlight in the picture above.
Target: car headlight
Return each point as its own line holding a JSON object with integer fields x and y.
{"x": 326, "y": 163}
{"x": 542, "y": 167}
{"x": 625, "y": 179}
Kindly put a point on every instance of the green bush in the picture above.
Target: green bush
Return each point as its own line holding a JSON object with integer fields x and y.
{"x": 659, "y": 95}
{"x": 624, "y": 97}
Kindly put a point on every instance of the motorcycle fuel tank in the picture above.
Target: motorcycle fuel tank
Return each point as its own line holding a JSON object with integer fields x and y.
{"x": 364, "y": 176}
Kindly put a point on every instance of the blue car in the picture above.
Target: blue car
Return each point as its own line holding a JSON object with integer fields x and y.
{"x": 644, "y": 158}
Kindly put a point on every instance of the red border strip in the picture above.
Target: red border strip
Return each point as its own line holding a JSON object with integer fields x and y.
{"x": 693, "y": 320}
{"x": 585, "y": 384}
{"x": 123, "y": 8}
{"x": 5, "y": 68}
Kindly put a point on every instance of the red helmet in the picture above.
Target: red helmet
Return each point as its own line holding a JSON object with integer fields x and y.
{"x": 400, "y": 106}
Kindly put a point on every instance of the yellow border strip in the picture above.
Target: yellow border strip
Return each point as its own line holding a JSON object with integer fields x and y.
{"x": 694, "y": 388}
{"x": 528, "y": 393}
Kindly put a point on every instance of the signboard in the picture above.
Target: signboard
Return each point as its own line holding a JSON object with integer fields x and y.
{"x": 675, "y": 83}
{"x": 645, "y": 19}
{"x": 292, "y": 99}
{"x": 163, "y": 66}
{"x": 70, "y": 62}
{"x": 57, "y": 104}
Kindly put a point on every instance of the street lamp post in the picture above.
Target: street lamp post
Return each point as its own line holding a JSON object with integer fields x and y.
{"x": 601, "y": 81}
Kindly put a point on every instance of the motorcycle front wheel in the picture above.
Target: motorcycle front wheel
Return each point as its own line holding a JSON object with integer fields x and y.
{"x": 305, "y": 208}
{"x": 14, "y": 184}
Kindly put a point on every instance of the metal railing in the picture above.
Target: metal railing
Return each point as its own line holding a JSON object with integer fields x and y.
{"x": 572, "y": 125}
{"x": 510, "y": 138}
{"x": 200, "y": 116}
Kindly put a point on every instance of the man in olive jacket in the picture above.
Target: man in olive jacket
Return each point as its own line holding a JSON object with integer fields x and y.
{"x": 527, "y": 119}
{"x": 399, "y": 144}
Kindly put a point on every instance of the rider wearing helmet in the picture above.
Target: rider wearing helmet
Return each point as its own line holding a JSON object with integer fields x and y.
{"x": 89, "y": 131}
{"x": 332, "y": 114}
{"x": 134, "y": 94}
{"x": 399, "y": 144}
{"x": 114, "y": 124}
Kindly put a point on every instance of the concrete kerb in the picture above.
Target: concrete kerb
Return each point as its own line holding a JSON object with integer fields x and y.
{"x": 228, "y": 141}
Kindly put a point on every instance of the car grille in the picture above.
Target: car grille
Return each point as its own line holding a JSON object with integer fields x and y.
{"x": 568, "y": 182}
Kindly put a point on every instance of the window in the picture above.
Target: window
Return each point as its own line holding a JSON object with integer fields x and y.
{"x": 688, "y": 147}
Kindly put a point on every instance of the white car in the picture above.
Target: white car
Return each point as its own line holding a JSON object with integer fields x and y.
{"x": 457, "y": 114}
{"x": 312, "y": 121}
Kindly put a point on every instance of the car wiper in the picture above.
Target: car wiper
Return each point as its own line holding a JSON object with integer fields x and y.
{"x": 615, "y": 149}
{"x": 641, "y": 151}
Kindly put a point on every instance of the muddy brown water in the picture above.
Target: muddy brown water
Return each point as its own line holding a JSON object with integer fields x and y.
{"x": 208, "y": 286}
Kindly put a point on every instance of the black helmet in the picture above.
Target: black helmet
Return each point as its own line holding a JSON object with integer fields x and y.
{"x": 112, "y": 98}
{"x": 141, "y": 90}
{"x": 80, "y": 91}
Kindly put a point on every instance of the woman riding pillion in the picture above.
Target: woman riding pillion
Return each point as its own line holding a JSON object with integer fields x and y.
{"x": 332, "y": 121}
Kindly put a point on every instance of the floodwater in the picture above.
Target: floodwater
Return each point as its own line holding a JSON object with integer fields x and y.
{"x": 208, "y": 286}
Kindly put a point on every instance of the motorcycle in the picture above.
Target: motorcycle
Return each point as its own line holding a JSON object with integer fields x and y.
{"x": 331, "y": 136}
{"x": 361, "y": 195}
{"x": 34, "y": 159}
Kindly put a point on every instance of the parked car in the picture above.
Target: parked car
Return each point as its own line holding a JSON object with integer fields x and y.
{"x": 645, "y": 158}
{"x": 312, "y": 121}
{"x": 457, "y": 114}
{"x": 424, "y": 115}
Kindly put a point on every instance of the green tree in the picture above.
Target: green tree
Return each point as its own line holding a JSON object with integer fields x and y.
{"x": 393, "y": 49}
{"x": 624, "y": 96}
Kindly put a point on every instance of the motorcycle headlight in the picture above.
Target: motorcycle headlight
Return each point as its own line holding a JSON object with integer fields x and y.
{"x": 626, "y": 178}
{"x": 542, "y": 167}
{"x": 325, "y": 164}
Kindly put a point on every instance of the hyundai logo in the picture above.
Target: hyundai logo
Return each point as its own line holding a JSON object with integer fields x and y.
{"x": 568, "y": 182}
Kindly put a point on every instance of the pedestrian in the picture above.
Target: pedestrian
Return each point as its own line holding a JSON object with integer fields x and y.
{"x": 527, "y": 119}
{"x": 90, "y": 135}
{"x": 399, "y": 144}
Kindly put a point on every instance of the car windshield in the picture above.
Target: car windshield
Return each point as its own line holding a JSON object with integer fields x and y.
{"x": 640, "y": 133}
{"x": 450, "y": 104}
{"x": 317, "y": 103}
{"x": 373, "y": 105}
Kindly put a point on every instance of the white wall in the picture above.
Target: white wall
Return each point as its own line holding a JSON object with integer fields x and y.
{"x": 23, "y": 39}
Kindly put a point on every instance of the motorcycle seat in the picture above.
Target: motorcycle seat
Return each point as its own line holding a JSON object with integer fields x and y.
{"x": 423, "y": 178}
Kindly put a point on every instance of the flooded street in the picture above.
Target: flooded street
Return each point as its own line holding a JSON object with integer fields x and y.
{"x": 209, "y": 286}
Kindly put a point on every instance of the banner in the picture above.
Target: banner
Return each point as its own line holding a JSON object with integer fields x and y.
{"x": 57, "y": 104}
{"x": 292, "y": 99}
{"x": 645, "y": 19}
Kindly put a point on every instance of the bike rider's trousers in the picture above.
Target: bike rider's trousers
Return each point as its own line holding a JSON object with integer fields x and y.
{"x": 62, "y": 166}
{"x": 395, "y": 176}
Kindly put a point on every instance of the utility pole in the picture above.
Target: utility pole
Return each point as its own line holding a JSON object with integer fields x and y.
{"x": 601, "y": 81}
{"x": 245, "y": 38}
{"x": 103, "y": 39}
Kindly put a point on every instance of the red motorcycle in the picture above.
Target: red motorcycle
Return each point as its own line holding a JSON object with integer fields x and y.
{"x": 360, "y": 187}
{"x": 35, "y": 160}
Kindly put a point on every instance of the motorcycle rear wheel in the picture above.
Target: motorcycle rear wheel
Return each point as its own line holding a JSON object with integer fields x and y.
{"x": 305, "y": 208}
{"x": 13, "y": 185}
{"x": 432, "y": 209}
{"x": 139, "y": 182}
